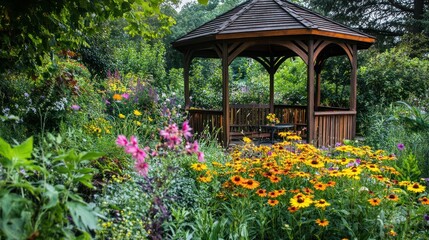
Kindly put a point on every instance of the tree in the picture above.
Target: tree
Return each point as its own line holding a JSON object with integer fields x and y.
{"x": 385, "y": 19}
{"x": 29, "y": 29}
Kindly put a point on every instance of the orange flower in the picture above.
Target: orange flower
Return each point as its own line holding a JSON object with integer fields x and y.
{"x": 273, "y": 194}
{"x": 237, "y": 179}
{"x": 322, "y": 223}
{"x": 331, "y": 183}
{"x": 261, "y": 192}
{"x": 275, "y": 179}
{"x": 320, "y": 186}
{"x": 273, "y": 202}
{"x": 392, "y": 197}
{"x": 374, "y": 201}
{"x": 117, "y": 97}
{"x": 292, "y": 209}
{"x": 424, "y": 200}
{"x": 250, "y": 183}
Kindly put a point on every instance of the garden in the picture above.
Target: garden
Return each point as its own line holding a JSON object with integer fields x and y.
{"x": 96, "y": 142}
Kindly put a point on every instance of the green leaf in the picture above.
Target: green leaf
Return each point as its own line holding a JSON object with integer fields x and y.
{"x": 5, "y": 149}
{"x": 24, "y": 150}
{"x": 83, "y": 215}
{"x": 51, "y": 194}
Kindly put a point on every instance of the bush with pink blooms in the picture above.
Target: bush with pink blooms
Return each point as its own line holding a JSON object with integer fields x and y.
{"x": 173, "y": 142}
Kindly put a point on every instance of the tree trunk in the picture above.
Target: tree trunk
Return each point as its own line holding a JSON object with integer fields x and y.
{"x": 417, "y": 26}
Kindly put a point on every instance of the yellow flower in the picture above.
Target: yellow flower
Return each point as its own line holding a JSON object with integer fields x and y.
{"x": 205, "y": 179}
{"x": 323, "y": 222}
{"x": 138, "y": 123}
{"x": 150, "y": 119}
{"x": 199, "y": 166}
{"x": 415, "y": 187}
{"x": 321, "y": 203}
{"x": 315, "y": 162}
{"x": 121, "y": 115}
{"x": 247, "y": 140}
{"x": 137, "y": 113}
{"x": 300, "y": 201}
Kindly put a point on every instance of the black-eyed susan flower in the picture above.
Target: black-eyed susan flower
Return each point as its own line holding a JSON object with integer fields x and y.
{"x": 415, "y": 187}
{"x": 331, "y": 183}
{"x": 236, "y": 179}
{"x": 315, "y": 163}
{"x": 199, "y": 166}
{"x": 261, "y": 192}
{"x": 374, "y": 201}
{"x": 273, "y": 194}
{"x": 273, "y": 202}
{"x": 393, "y": 233}
{"x": 392, "y": 197}
{"x": 322, "y": 222}
{"x": 275, "y": 179}
{"x": 424, "y": 200}
{"x": 320, "y": 186}
{"x": 300, "y": 201}
{"x": 250, "y": 183}
{"x": 321, "y": 203}
{"x": 292, "y": 209}
{"x": 280, "y": 192}
{"x": 205, "y": 179}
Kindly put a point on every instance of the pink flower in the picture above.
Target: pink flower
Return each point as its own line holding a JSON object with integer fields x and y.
{"x": 192, "y": 147}
{"x": 186, "y": 130}
{"x": 133, "y": 141}
{"x": 125, "y": 95}
{"x": 75, "y": 107}
{"x": 141, "y": 167}
{"x": 122, "y": 141}
{"x": 200, "y": 156}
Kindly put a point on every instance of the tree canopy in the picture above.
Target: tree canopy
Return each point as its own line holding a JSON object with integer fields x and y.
{"x": 31, "y": 28}
{"x": 384, "y": 19}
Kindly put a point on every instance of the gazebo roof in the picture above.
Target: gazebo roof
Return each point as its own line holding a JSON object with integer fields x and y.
{"x": 264, "y": 19}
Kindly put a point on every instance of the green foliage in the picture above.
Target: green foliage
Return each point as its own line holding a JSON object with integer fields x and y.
{"x": 34, "y": 202}
{"x": 409, "y": 168}
{"x": 52, "y": 25}
{"x": 389, "y": 77}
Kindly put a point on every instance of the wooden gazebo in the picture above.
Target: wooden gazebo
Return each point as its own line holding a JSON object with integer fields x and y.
{"x": 271, "y": 31}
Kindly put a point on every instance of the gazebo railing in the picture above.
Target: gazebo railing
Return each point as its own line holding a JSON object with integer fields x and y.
{"x": 331, "y": 125}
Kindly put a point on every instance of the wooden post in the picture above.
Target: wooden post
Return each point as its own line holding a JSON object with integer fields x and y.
{"x": 272, "y": 72}
{"x": 353, "y": 88}
{"x": 318, "y": 83}
{"x": 186, "y": 66}
{"x": 225, "y": 95}
{"x": 310, "y": 93}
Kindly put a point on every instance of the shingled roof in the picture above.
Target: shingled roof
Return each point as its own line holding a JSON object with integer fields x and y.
{"x": 271, "y": 18}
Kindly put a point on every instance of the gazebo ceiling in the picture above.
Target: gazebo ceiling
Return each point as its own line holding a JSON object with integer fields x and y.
{"x": 264, "y": 21}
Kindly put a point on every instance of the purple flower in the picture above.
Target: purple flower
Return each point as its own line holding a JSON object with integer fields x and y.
{"x": 426, "y": 218}
{"x": 400, "y": 146}
{"x": 75, "y": 107}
